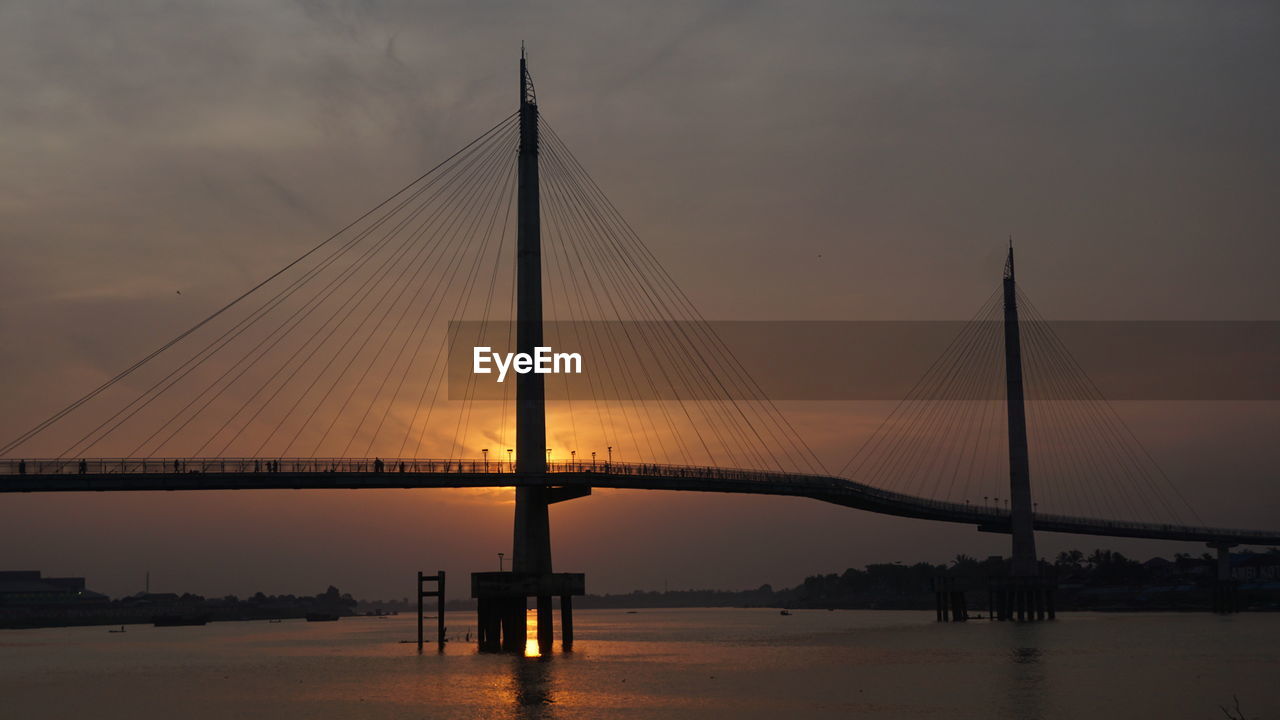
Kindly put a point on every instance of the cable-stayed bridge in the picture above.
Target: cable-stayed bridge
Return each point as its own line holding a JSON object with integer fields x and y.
{"x": 156, "y": 474}
{"x": 331, "y": 373}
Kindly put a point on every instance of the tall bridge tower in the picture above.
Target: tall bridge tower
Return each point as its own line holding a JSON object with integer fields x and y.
{"x": 1020, "y": 507}
{"x": 502, "y": 597}
{"x": 532, "y": 542}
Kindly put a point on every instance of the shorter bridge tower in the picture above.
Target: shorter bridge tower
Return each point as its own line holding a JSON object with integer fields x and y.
{"x": 1020, "y": 508}
{"x": 1026, "y": 594}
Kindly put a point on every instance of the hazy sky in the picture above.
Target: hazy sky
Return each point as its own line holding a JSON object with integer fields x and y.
{"x": 149, "y": 147}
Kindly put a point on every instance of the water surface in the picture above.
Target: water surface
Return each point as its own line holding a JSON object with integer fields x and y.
{"x": 695, "y": 663}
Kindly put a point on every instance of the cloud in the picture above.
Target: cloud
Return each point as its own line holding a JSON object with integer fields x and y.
{"x": 152, "y": 146}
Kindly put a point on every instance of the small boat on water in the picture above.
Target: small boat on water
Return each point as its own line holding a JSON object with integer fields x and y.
{"x": 275, "y": 620}
{"x": 322, "y": 617}
{"x": 117, "y": 631}
{"x": 785, "y": 612}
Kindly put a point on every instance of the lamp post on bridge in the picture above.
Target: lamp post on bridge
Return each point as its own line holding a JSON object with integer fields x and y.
{"x": 486, "y": 458}
{"x": 511, "y": 463}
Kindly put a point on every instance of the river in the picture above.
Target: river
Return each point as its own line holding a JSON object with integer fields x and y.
{"x": 671, "y": 663}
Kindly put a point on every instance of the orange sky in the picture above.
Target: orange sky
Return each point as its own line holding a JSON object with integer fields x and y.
{"x": 826, "y": 161}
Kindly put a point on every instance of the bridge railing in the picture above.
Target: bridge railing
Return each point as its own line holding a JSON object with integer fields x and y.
{"x": 170, "y": 465}
{"x": 804, "y": 483}
{"x": 1047, "y": 519}
{"x": 807, "y": 480}
{"x": 121, "y": 466}
{"x": 966, "y": 511}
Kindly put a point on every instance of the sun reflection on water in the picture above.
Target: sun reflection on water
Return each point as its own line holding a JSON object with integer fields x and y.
{"x": 531, "y": 635}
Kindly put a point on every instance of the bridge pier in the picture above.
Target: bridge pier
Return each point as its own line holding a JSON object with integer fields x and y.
{"x": 502, "y": 605}
{"x": 546, "y": 630}
{"x": 566, "y": 622}
{"x": 951, "y": 603}
{"x": 1226, "y": 591}
{"x": 1021, "y": 598}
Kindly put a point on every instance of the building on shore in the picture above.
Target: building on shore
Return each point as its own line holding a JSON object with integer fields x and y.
{"x": 28, "y": 587}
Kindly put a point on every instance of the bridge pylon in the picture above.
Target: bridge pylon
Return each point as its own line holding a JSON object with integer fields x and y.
{"x": 1021, "y": 522}
{"x": 502, "y": 597}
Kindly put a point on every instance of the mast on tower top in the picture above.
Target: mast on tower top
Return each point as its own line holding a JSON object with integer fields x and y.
{"x": 527, "y": 95}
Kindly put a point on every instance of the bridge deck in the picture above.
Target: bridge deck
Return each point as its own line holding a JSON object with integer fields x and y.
{"x": 121, "y": 474}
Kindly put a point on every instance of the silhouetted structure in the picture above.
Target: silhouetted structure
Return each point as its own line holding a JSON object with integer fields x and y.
{"x": 438, "y": 594}
{"x": 1024, "y": 594}
{"x": 1020, "y": 521}
{"x": 502, "y": 597}
{"x": 757, "y": 437}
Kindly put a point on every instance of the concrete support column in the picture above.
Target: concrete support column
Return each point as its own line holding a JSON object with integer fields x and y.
{"x": 1224, "y": 559}
{"x": 546, "y": 625}
{"x": 489, "y": 622}
{"x": 566, "y": 622}
{"x": 1225, "y": 596}
{"x": 514, "y": 628}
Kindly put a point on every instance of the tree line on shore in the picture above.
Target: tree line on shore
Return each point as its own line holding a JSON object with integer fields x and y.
{"x": 1087, "y": 580}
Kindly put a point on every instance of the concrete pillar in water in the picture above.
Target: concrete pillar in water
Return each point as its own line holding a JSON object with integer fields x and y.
{"x": 566, "y": 622}
{"x": 546, "y": 634}
{"x": 489, "y": 624}
{"x": 1225, "y": 599}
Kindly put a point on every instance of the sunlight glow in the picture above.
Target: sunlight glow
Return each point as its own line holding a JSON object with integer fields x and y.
{"x": 531, "y": 634}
